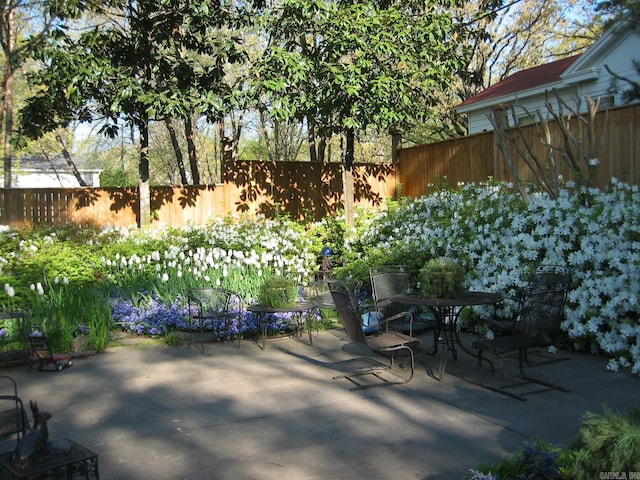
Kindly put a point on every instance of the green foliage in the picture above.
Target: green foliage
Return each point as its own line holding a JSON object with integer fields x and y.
{"x": 537, "y": 460}
{"x": 62, "y": 310}
{"x": 278, "y": 292}
{"x": 442, "y": 278}
{"x": 359, "y": 64}
{"x": 607, "y": 442}
{"x": 172, "y": 339}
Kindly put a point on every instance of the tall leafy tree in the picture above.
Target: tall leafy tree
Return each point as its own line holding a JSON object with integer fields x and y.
{"x": 24, "y": 25}
{"x": 345, "y": 66}
{"x": 148, "y": 60}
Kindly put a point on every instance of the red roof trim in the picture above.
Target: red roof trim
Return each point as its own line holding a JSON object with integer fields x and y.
{"x": 524, "y": 80}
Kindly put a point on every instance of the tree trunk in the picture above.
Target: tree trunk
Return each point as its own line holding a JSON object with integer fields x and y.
{"x": 7, "y": 98}
{"x": 144, "y": 190}
{"x": 348, "y": 187}
{"x": 191, "y": 150}
{"x": 70, "y": 162}
{"x": 322, "y": 148}
{"x": 311, "y": 138}
{"x": 177, "y": 150}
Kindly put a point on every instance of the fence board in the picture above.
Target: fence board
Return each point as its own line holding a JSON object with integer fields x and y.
{"x": 311, "y": 191}
{"x": 302, "y": 190}
{"x": 474, "y": 158}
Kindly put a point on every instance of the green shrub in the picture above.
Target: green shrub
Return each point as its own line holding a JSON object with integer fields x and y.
{"x": 442, "y": 278}
{"x": 607, "y": 442}
{"x": 278, "y": 292}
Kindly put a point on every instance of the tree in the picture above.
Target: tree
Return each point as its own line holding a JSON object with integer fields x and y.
{"x": 24, "y": 25}
{"x": 345, "y": 66}
{"x": 616, "y": 10}
{"x": 578, "y": 148}
{"x": 147, "y": 61}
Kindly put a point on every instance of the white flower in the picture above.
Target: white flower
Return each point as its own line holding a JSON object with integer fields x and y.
{"x": 593, "y": 162}
{"x": 165, "y": 277}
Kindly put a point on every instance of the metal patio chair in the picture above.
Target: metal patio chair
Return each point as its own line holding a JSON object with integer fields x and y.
{"x": 542, "y": 274}
{"x": 13, "y": 417}
{"x": 217, "y": 310}
{"x": 537, "y": 325}
{"x": 390, "y": 280}
{"x": 388, "y": 342}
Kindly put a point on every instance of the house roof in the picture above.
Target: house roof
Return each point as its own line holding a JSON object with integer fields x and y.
{"x": 524, "y": 80}
{"x": 58, "y": 163}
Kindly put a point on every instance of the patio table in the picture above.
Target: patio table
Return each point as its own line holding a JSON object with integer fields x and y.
{"x": 447, "y": 312}
{"x": 76, "y": 460}
{"x": 300, "y": 311}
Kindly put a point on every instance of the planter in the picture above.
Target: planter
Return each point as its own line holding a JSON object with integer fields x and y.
{"x": 14, "y": 357}
{"x": 278, "y": 292}
{"x": 442, "y": 278}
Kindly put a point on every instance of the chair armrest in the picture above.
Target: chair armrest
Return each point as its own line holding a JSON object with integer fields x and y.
{"x": 398, "y": 316}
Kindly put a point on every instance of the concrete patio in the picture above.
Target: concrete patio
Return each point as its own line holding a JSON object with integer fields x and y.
{"x": 245, "y": 413}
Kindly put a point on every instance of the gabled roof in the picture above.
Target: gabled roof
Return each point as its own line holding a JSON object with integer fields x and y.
{"x": 44, "y": 163}
{"x": 524, "y": 80}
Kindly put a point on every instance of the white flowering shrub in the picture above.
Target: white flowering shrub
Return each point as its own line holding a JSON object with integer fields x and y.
{"x": 500, "y": 240}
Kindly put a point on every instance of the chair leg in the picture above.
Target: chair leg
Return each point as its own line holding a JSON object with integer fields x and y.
{"x": 525, "y": 380}
{"x": 522, "y": 355}
{"x": 546, "y": 361}
{"x": 376, "y": 371}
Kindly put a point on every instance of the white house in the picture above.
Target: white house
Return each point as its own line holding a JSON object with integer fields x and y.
{"x": 577, "y": 77}
{"x": 40, "y": 172}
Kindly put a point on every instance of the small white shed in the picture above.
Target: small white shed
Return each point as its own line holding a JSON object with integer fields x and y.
{"x": 41, "y": 172}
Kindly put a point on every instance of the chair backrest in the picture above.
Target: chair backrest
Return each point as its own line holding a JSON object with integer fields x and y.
{"x": 387, "y": 281}
{"x": 213, "y": 300}
{"x": 347, "y": 310}
{"x": 13, "y": 418}
{"x": 542, "y": 309}
{"x": 552, "y": 273}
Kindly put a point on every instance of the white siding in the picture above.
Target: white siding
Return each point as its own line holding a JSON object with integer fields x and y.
{"x": 51, "y": 179}
{"x": 618, "y": 55}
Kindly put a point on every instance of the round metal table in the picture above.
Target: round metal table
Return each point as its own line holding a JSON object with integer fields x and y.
{"x": 447, "y": 312}
{"x": 300, "y": 309}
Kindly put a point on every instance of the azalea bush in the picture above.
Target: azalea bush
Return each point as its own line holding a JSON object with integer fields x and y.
{"x": 500, "y": 240}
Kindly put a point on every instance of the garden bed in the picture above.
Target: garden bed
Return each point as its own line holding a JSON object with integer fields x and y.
{"x": 12, "y": 358}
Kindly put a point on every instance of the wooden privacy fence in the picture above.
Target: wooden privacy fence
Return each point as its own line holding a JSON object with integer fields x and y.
{"x": 307, "y": 190}
{"x": 476, "y": 158}
{"x": 302, "y": 190}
